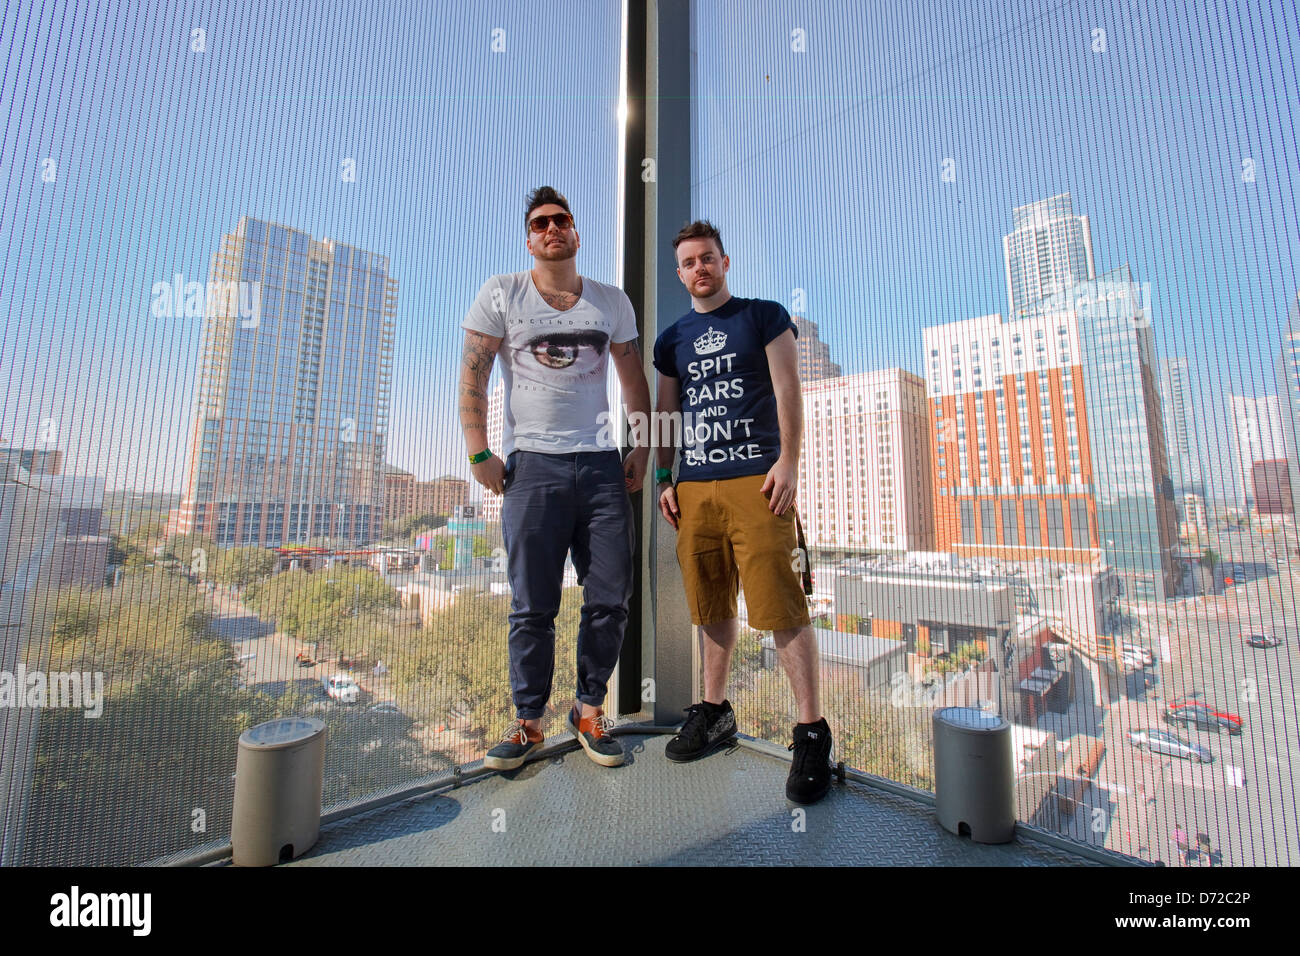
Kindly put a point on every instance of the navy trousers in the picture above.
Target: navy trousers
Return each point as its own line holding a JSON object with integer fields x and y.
{"x": 556, "y": 505}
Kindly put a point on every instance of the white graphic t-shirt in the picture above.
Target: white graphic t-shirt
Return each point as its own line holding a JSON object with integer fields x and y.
{"x": 555, "y": 364}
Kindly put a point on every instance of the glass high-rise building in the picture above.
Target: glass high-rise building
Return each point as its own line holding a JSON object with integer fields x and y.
{"x": 1132, "y": 485}
{"x": 1048, "y": 249}
{"x": 293, "y": 397}
{"x": 1180, "y": 427}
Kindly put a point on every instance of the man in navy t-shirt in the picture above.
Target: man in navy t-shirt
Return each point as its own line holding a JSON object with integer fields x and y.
{"x": 719, "y": 359}
{"x": 728, "y": 377}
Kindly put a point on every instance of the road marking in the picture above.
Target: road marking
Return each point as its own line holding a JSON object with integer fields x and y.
{"x": 1234, "y": 776}
{"x": 1193, "y": 775}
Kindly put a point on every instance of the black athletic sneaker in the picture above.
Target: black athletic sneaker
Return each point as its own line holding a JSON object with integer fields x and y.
{"x": 515, "y": 748}
{"x": 708, "y": 727}
{"x": 810, "y": 771}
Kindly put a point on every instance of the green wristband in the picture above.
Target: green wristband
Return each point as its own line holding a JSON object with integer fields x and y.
{"x": 663, "y": 475}
{"x": 484, "y": 455}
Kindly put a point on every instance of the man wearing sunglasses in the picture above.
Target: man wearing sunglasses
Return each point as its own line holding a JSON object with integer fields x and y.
{"x": 565, "y": 489}
{"x": 728, "y": 371}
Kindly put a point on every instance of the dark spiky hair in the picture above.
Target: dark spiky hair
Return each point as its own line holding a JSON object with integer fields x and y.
{"x": 699, "y": 229}
{"x": 544, "y": 196}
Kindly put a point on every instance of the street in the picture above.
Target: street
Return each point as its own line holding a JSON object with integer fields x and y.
{"x": 1243, "y": 801}
{"x": 269, "y": 663}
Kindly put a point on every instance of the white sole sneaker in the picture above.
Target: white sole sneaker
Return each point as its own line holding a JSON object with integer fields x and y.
{"x": 605, "y": 760}
{"x": 512, "y": 763}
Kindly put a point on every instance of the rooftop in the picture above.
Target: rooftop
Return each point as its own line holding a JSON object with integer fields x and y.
{"x": 727, "y": 809}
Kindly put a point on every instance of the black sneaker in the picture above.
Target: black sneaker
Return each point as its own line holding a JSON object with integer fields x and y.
{"x": 810, "y": 770}
{"x": 514, "y": 750}
{"x": 708, "y": 727}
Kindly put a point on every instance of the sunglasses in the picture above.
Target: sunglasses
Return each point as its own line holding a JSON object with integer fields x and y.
{"x": 562, "y": 221}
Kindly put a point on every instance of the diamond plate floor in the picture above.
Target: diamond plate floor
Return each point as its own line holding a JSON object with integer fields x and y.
{"x": 726, "y": 810}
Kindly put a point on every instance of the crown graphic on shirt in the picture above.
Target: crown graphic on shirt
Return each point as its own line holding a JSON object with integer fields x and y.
{"x": 710, "y": 342}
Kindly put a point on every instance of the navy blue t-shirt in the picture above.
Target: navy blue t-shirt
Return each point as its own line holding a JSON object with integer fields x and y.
{"x": 729, "y": 423}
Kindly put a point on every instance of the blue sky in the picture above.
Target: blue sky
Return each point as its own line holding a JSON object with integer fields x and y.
{"x": 823, "y": 169}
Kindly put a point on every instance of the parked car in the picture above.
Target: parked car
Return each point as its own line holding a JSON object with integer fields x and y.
{"x": 1135, "y": 656}
{"x": 1171, "y": 745}
{"x": 1262, "y": 640}
{"x": 1202, "y": 717}
{"x": 341, "y": 687}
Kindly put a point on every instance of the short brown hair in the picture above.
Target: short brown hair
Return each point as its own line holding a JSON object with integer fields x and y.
{"x": 699, "y": 229}
{"x": 544, "y": 196}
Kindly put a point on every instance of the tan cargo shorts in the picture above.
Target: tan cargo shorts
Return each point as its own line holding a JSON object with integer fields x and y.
{"x": 726, "y": 529}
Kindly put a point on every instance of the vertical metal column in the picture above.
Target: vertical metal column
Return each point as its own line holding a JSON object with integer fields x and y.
{"x": 658, "y": 203}
{"x": 626, "y": 684}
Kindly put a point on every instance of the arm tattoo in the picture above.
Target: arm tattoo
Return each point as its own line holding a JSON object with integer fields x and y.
{"x": 476, "y": 368}
{"x": 630, "y": 348}
{"x": 478, "y": 359}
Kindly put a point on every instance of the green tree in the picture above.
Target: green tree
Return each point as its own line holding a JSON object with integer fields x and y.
{"x": 457, "y": 668}
{"x": 196, "y": 554}
{"x": 123, "y": 788}
{"x": 77, "y": 615}
{"x": 321, "y": 605}
{"x": 119, "y": 550}
{"x": 240, "y": 567}
{"x": 405, "y": 529}
{"x": 149, "y": 533}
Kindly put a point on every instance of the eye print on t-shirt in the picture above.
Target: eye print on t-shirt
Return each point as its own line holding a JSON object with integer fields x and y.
{"x": 571, "y": 353}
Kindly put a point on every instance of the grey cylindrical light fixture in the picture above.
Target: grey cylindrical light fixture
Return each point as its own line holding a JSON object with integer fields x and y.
{"x": 974, "y": 774}
{"x": 278, "y": 778}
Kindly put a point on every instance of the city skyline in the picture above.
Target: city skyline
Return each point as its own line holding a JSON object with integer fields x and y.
{"x": 816, "y": 356}
{"x": 1044, "y": 264}
{"x": 1224, "y": 275}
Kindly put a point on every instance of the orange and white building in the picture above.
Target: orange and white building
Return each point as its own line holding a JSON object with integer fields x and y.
{"x": 1046, "y": 435}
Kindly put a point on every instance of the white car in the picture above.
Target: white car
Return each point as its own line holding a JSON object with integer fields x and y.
{"x": 341, "y": 687}
{"x": 1139, "y": 655}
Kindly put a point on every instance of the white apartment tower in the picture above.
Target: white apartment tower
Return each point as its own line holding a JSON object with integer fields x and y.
{"x": 864, "y": 474}
{"x": 1258, "y": 437}
{"x": 1048, "y": 250}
